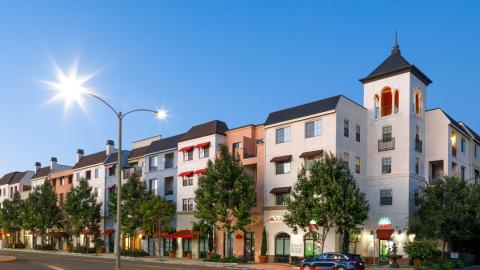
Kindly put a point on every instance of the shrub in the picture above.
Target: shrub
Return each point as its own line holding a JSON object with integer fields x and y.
{"x": 19, "y": 245}
{"x": 134, "y": 253}
{"x": 263, "y": 250}
{"x": 80, "y": 249}
{"x": 230, "y": 259}
{"x": 215, "y": 258}
{"x": 424, "y": 250}
{"x": 443, "y": 266}
{"x": 44, "y": 247}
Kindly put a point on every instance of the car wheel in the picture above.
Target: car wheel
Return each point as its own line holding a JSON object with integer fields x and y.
{"x": 306, "y": 267}
{"x": 341, "y": 268}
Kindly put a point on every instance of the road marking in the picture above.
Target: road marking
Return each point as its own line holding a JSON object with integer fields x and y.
{"x": 54, "y": 267}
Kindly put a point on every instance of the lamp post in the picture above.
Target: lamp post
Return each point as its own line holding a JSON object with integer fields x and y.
{"x": 71, "y": 88}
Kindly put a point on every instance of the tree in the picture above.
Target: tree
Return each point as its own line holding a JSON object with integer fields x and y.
{"x": 443, "y": 212}
{"x": 157, "y": 216}
{"x": 325, "y": 197}
{"x": 11, "y": 218}
{"x": 133, "y": 194}
{"x": 83, "y": 211}
{"x": 225, "y": 194}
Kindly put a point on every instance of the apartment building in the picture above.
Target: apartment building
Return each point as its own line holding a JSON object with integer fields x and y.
{"x": 199, "y": 145}
{"x": 62, "y": 183}
{"x": 41, "y": 173}
{"x": 136, "y": 159}
{"x": 14, "y": 182}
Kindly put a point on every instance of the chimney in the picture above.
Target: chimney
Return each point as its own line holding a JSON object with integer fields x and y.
{"x": 53, "y": 163}
{"x": 37, "y": 166}
{"x": 110, "y": 147}
{"x": 79, "y": 154}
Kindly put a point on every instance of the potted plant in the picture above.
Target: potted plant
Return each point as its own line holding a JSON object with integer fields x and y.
{"x": 189, "y": 255}
{"x": 422, "y": 252}
{"x": 263, "y": 252}
{"x": 172, "y": 253}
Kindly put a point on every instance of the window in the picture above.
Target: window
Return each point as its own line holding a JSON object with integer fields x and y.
{"x": 185, "y": 204}
{"x": 282, "y": 245}
{"x": 281, "y": 198}
{"x": 186, "y": 246}
{"x": 454, "y": 168}
{"x": 61, "y": 199}
{"x": 187, "y": 181}
{"x": 11, "y": 192}
{"x": 462, "y": 145}
{"x": 387, "y": 133}
{"x": 396, "y": 104}
{"x": 346, "y": 128}
{"x": 282, "y": 135}
{"x": 203, "y": 152}
{"x": 112, "y": 170}
{"x": 310, "y": 246}
{"x": 190, "y": 204}
{"x": 62, "y": 181}
{"x": 417, "y": 166}
{"x": 152, "y": 186}
{"x": 386, "y": 165}
{"x": 309, "y": 161}
{"x": 96, "y": 192}
{"x": 236, "y": 146}
{"x": 79, "y": 176}
{"x": 169, "y": 185}
{"x": 453, "y": 140}
{"x": 462, "y": 173}
{"x": 357, "y": 164}
{"x": 168, "y": 163}
{"x": 282, "y": 167}
{"x": 477, "y": 176}
{"x": 346, "y": 157}
{"x": 386, "y": 197}
{"x": 88, "y": 175}
{"x": 188, "y": 155}
{"x": 313, "y": 128}
{"x": 417, "y": 102}
{"x": 152, "y": 164}
{"x": 386, "y": 101}
{"x": 97, "y": 173}
{"x": 376, "y": 110}
{"x": 357, "y": 133}
{"x": 475, "y": 151}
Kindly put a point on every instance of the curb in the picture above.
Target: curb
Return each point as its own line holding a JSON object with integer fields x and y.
{"x": 7, "y": 259}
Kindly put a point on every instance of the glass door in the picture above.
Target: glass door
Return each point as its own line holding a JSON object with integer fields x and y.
{"x": 384, "y": 248}
{"x": 249, "y": 245}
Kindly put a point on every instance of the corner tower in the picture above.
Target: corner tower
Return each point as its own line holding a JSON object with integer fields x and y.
{"x": 395, "y": 97}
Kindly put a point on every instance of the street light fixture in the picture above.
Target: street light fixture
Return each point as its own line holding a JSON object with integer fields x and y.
{"x": 71, "y": 88}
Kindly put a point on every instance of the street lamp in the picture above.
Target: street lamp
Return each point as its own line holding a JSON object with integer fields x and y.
{"x": 72, "y": 88}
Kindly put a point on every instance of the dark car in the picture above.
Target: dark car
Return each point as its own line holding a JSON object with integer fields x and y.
{"x": 334, "y": 261}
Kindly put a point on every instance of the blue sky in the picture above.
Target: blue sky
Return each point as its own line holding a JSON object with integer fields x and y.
{"x": 203, "y": 60}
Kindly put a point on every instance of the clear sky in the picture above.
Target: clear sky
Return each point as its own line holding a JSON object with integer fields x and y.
{"x": 230, "y": 60}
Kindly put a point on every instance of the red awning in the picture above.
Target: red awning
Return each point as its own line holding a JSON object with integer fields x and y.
{"x": 108, "y": 232}
{"x": 201, "y": 171}
{"x": 186, "y": 148}
{"x": 189, "y": 173}
{"x": 201, "y": 145}
{"x": 384, "y": 234}
{"x": 181, "y": 234}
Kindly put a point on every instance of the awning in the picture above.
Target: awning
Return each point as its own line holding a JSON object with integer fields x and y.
{"x": 280, "y": 190}
{"x": 110, "y": 186}
{"x": 311, "y": 154}
{"x": 108, "y": 232}
{"x": 281, "y": 158}
{"x": 384, "y": 234}
{"x": 201, "y": 171}
{"x": 201, "y": 145}
{"x": 186, "y": 148}
{"x": 181, "y": 234}
{"x": 189, "y": 173}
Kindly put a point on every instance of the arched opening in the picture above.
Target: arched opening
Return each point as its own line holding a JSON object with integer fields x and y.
{"x": 386, "y": 101}
{"x": 311, "y": 246}
{"x": 396, "y": 103}
{"x": 282, "y": 247}
{"x": 377, "y": 106}
{"x": 418, "y": 102}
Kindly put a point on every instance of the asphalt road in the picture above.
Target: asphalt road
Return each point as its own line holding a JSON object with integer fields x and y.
{"x": 39, "y": 261}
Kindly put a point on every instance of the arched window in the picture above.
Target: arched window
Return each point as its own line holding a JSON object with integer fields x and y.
{"x": 377, "y": 106}
{"x": 418, "y": 102}
{"x": 311, "y": 248}
{"x": 396, "y": 103}
{"x": 386, "y": 101}
{"x": 282, "y": 247}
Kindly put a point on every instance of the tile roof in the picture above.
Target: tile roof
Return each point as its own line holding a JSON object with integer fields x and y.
{"x": 137, "y": 152}
{"x": 42, "y": 172}
{"x": 315, "y": 107}
{"x": 5, "y": 180}
{"x": 164, "y": 144}
{"x": 205, "y": 129}
{"x": 90, "y": 160}
{"x": 395, "y": 64}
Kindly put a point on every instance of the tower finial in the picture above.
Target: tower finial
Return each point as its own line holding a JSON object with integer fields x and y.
{"x": 396, "y": 48}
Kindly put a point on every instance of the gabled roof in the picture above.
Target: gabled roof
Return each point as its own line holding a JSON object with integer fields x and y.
{"x": 205, "y": 129}
{"x": 475, "y": 135}
{"x": 90, "y": 160}
{"x": 393, "y": 65}
{"x": 17, "y": 178}
{"x": 453, "y": 122}
{"x": 42, "y": 172}
{"x": 113, "y": 157}
{"x": 164, "y": 144}
{"x": 7, "y": 178}
{"x": 307, "y": 109}
{"x": 137, "y": 152}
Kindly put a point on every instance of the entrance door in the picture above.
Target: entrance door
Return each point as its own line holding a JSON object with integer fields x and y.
{"x": 249, "y": 246}
{"x": 282, "y": 248}
{"x": 383, "y": 249}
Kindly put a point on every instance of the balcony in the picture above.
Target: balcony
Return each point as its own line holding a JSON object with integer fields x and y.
{"x": 418, "y": 145}
{"x": 169, "y": 192}
{"x": 385, "y": 145}
{"x": 137, "y": 170}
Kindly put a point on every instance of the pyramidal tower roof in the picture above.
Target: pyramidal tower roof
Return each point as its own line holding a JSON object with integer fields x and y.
{"x": 395, "y": 64}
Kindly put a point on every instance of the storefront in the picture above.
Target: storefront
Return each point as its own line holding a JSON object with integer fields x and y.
{"x": 384, "y": 236}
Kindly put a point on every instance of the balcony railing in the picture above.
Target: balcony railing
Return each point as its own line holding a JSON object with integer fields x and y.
{"x": 135, "y": 170}
{"x": 384, "y": 145}
{"x": 418, "y": 145}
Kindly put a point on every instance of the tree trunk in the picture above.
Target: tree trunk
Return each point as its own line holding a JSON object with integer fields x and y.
{"x": 345, "y": 241}
{"x": 444, "y": 244}
{"x": 157, "y": 245}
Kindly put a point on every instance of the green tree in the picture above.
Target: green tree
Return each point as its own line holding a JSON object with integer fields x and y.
{"x": 225, "y": 194}
{"x": 133, "y": 195}
{"x": 82, "y": 210}
{"x": 11, "y": 218}
{"x": 443, "y": 212}
{"x": 157, "y": 216}
{"x": 324, "y": 197}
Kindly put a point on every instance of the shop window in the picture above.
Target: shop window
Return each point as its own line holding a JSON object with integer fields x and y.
{"x": 386, "y": 101}
{"x": 282, "y": 247}
{"x": 186, "y": 246}
{"x": 311, "y": 248}
{"x": 169, "y": 244}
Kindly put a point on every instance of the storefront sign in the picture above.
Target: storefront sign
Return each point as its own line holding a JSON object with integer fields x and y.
{"x": 385, "y": 222}
{"x": 276, "y": 219}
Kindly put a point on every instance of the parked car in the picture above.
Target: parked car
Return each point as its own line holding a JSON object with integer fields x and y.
{"x": 333, "y": 261}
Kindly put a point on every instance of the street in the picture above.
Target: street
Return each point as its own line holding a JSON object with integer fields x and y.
{"x": 40, "y": 261}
